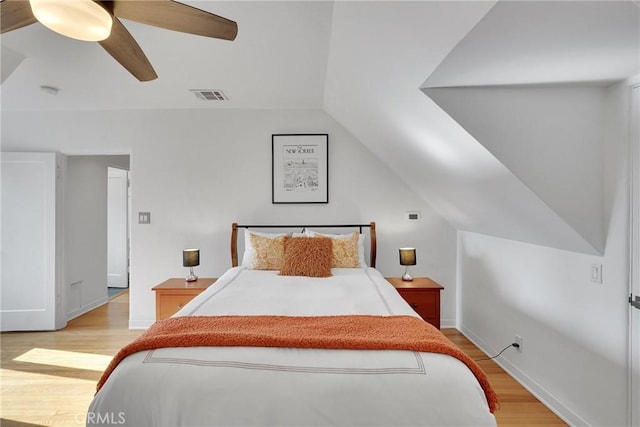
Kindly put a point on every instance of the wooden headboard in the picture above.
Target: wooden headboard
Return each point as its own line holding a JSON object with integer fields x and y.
{"x": 371, "y": 226}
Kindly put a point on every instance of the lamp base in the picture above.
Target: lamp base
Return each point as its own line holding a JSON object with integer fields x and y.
{"x": 406, "y": 276}
{"x": 191, "y": 277}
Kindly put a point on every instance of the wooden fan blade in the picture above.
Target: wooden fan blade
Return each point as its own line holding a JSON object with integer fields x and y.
{"x": 124, "y": 49}
{"x": 177, "y": 17}
{"x": 15, "y": 14}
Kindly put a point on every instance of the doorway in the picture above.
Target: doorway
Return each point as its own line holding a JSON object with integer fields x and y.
{"x": 86, "y": 231}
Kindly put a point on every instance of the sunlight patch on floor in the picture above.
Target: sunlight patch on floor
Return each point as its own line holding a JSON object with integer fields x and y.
{"x": 46, "y": 399}
{"x": 66, "y": 359}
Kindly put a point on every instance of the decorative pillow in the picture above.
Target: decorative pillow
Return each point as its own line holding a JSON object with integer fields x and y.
{"x": 267, "y": 252}
{"x": 348, "y": 249}
{"x": 307, "y": 256}
{"x": 249, "y": 251}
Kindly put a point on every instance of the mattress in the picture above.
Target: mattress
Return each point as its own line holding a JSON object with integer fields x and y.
{"x": 275, "y": 386}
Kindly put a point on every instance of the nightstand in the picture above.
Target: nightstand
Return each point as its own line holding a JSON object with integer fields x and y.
{"x": 422, "y": 294}
{"x": 173, "y": 294}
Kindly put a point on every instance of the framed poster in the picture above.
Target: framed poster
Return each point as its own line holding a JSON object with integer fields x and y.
{"x": 299, "y": 168}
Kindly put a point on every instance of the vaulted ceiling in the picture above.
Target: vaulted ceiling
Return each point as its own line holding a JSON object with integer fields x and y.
{"x": 427, "y": 86}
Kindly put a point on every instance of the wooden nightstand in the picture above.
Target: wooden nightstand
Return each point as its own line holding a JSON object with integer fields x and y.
{"x": 173, "y": 294}
{"x": 423, "y": 295}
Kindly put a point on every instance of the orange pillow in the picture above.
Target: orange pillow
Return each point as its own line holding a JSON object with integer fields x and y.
{"x": 307, "y": 256}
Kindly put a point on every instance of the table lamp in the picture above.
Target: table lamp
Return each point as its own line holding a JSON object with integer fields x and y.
{"x": 191, "y": 258}
{"x": 407, "y": 258}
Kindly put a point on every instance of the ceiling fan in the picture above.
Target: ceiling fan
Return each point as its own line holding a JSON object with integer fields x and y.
{"x": 94, "y": 20}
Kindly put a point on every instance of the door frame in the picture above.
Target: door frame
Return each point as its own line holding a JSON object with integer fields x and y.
{"x": 124, "y": 239}
{"x": 634, "y": 252}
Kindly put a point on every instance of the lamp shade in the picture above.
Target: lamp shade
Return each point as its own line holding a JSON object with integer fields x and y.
{"x": 190, "y": 257}
{"x": 79, "y": 19}
{"x": 407, "y": 256}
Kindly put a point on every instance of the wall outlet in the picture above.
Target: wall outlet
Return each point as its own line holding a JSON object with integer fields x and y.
{"x": 518, "y": 340}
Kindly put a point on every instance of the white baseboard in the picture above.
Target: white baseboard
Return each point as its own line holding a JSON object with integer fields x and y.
{"x": 448, "y": 323}
{"x": 527, "y": 382}
{"x": 87, "y": 308}
{"x": 140, "y": 324}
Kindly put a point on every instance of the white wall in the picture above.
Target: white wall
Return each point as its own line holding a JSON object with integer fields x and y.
{"x": 199, "y": 171}
{"x": 574, "y": 331}
{"x": 550, "y": 137}
{"x": 86, "y": 231}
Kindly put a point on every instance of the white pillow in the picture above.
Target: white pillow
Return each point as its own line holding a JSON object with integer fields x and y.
{"x": 361, "y": 237}
{"x": 249, "y": 252}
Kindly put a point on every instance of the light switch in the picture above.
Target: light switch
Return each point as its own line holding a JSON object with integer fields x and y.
{"x": 144, "y": 217}
{"x": 596, "y": 273}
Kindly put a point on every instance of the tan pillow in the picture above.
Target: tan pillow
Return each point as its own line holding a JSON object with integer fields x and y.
{"x": 307, "y": 256}
{"x": 268, "y": 252}
{"x": 345, "y": 252}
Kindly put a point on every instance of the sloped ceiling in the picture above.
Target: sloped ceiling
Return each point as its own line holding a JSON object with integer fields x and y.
{"x": 10, "y": 61}
{"x": 536, "y": 99}
{"x": 365, "y": 63}
{"x": 527, "y": 42}
{"x": 451, "y": 146}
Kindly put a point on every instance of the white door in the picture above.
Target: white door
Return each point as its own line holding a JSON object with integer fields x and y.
{"x": 117, "y": 224}
{"x": 634, "y": 329}
{"x": 29, "y": 287}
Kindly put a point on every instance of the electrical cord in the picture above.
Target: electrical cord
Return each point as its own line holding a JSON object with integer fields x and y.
{"x": 515, "y": 344}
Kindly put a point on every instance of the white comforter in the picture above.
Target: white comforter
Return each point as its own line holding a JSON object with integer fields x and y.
{"x": 249, "y": 386}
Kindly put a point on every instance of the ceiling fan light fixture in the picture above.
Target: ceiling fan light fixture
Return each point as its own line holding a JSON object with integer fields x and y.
{"x": 79, "y": 19}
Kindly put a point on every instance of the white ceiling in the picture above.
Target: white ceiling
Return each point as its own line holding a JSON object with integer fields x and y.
{"x": 364, "y": 63}
{"x": 525, "y": 42}
{"x": 278, "y": 60}
{"x": 281, "y": 55}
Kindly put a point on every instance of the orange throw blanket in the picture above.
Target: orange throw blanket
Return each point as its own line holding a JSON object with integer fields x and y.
{"x": 354, "y": 332}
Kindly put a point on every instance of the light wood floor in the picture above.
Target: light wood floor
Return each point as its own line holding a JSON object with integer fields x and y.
{"x": 49, "y": 378}
{"x": 518, "y": 407}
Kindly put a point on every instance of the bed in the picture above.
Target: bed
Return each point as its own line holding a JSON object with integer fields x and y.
{"x": 283, "y": 346}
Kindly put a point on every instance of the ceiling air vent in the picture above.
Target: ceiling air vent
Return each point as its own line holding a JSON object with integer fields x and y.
{"x": 209, "y": 94}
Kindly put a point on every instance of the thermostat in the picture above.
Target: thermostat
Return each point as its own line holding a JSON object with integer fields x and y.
{"x": 413, "y": 215}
